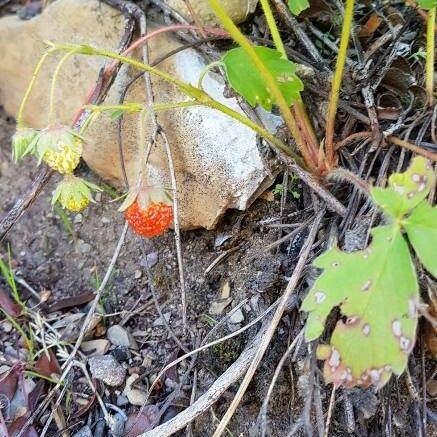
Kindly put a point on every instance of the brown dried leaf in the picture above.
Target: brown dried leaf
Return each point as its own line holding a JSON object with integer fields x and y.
{"x": 146, "y": 421}
{"x": 8, "y": 305}
{"x": 71, "y": 302}
{"x": 48, "y": 365}
{"x": 8, "y": 383}
{"x": 370, "y": 26}
{"x": 17, "y": 425}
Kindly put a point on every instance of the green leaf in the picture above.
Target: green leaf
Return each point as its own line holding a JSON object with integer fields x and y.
{"x": 427, "y": 4}
{"x": 246, "y": 80}
{"x": 377, "y": 291}
{"x": 421, "y": 228}
{"x": 297, "y": 6}
{"x": 405, "y": 190}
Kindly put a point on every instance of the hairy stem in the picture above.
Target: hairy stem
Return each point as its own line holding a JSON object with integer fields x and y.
{"x": 430, "y": 42}
{"x": 51, "y": 116}
{"x": 20, "y": 121}
{"x": 338, "y": 77}
{"x": 273, "y": 28}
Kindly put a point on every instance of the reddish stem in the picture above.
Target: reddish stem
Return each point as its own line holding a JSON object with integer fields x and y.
{"x": 111, "y": 67}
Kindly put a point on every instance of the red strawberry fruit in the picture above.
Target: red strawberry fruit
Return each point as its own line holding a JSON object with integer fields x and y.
{"x": 150, "y": 221}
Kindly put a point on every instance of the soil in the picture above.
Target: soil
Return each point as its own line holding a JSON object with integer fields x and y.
{"x": 62, "y": 255}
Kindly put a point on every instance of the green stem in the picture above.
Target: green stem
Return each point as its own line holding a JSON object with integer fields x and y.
{"x": 20, "y": 121}
{"x": 273, "y": 28}
{"x": 137, "y": 107}
{"x": 93, "y": 51}
{"x": 430, "y": 42}
{"x": 87, "y": 123}
{"x": 264, "y": 72}
{"x": 338, "y": 77}
{"x": 51, "y": 116}
{"x": 205, "y": 71}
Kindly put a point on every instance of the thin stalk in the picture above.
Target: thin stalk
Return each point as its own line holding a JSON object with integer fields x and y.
{"x": 267, "y": 77}
{"x": 200, "y": 96}
{"x": 51, "y": 115}
{"x": 338, "y": 77}
{"x": 20, "y": 121}
{"x": 90, "y": 51}
{"x": 273, "y": 28}
{"x": 430, "y": 42}
{"x": 137, "y": 107}
{"x": 280, "y": 47}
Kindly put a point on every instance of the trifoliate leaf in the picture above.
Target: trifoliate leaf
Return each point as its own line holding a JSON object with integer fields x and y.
{"x": 297, "y": 6}
{"x": 377, "y": 291}
{"x": 427, "y": 4}
{"x": 421, "y": 227}
{"x": 245, "y": 79}
{"x": 405, "y": 190}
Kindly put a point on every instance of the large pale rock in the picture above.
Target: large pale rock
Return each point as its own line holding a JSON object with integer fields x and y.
{"x": 238, "y": 10}
{"x": 217, "y": 161}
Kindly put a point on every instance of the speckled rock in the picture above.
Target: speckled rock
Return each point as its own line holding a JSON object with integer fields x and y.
{"x": 107, "y": 369}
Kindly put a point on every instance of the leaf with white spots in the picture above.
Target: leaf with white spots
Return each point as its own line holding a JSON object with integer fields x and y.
{"x": 421, "y": 227}
{"x": 246, "y": 80}
{"x": 405, "y": 190}
{"x": 377, "y": 291}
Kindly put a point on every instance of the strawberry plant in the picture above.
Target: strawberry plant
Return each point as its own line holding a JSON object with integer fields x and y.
{"x": 376, "y": 288}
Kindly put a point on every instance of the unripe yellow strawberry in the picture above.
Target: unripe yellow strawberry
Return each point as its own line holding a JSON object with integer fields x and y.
{"x": 64, "y": 158}
{"x": 60, "y": 148}
{"x": 74, "y": 193}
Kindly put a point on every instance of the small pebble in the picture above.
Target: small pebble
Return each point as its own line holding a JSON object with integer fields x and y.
{"x": 118, "y": 336}
{"x": 135, "y": 395}
{"x": 217, "y": 307}
{"x": 95, "y": 347}
{"x": 84, "y": 432}
{"x": 107, "y": 369}
{"x": 236, "y": 317}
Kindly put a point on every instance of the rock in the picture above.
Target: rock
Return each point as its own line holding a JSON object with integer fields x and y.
{"x": 84, "y": 432}
{"x": 121, "y": 354}
{"x": 431, "y": 387}
{"x": 236, "y": 317}
{"x": 134, "y": 394}
{"x": 122, "y": 400}
{"x": 6, "y": 326}
{"x": 117, "y": 425}
{"x": 238, "y": 10}
{"x": 214, "y": 171}
{"x": 150, "y": 261}
{"x": 365, "y": 401}
{"x": 95, "y": 347}
{"x": 118, "y": 336}
{"x": 160, "y": 322}
{"x": 107, "y": 369}
{"x": 217, "y": 307}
